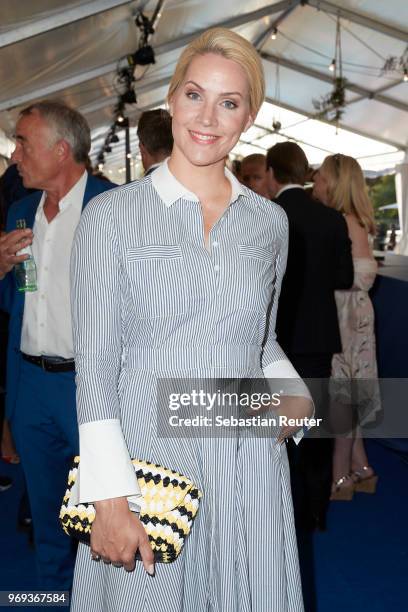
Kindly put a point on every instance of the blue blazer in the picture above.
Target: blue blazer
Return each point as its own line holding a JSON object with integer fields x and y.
{"x": 12, "y": 301}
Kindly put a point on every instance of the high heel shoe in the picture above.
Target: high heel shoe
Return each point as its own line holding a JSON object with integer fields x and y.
{"x": 342, "y": 489}
{"x": 364, "y": 483}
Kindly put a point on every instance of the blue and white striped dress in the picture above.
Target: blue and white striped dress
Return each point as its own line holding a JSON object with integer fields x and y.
{"x": 150, "y": 301}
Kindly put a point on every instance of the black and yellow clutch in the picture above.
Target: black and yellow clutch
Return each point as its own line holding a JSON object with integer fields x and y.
{"x": 168, "y": 505}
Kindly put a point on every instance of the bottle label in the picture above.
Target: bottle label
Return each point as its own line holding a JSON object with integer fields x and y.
{"x": 25, "y": 271}
{"x": 25, "y": 251}
{"x": 26, "y": 275}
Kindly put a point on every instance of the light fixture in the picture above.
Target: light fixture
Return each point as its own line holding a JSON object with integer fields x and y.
{"x": 100, "y": 167}
{"x": 142, "y": 57}
{"x": 405, "y": 77}
{"x": 119, "y": 114}
{"x": 128, "y": 155}
{"x": 129, "y": 97}
{"x": 274, "y": 33}
{"x": 332, "y": 66}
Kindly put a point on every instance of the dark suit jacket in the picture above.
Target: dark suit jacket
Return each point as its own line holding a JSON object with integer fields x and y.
{"x": 319, "y": 261}
{"x": 151, "y": 169}
{"x": 12, "y": 301}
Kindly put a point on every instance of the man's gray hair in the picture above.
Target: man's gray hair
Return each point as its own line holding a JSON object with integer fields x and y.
{"x": 69, "y": 125}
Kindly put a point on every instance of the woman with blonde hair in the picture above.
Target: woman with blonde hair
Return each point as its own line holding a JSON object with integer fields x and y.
{"x": 339, "y": 183}
{"x": 177, "y": 276}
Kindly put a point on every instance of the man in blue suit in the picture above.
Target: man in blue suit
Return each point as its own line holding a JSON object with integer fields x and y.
{"x": 53, "y": 143}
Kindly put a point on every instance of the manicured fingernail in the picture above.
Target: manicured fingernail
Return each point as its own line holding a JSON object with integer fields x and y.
{"x": 150, "y": 570}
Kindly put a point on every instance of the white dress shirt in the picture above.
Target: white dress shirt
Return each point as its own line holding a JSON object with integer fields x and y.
{"x": 47, "y": 328}
{"x": 288, "y": 186}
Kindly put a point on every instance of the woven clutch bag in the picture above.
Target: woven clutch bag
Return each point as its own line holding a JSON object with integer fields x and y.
{"x": 168, "y": 505}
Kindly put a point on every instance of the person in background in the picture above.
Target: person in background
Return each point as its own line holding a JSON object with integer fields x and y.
{"x": 309, "y": 181}
{"x": 392, "y": 242}
{"x": 340, "y": 185}
{"x": 11, "y": 190}
{"x": 253, "y": 173}
{"x": 155, "y": 138}
{"x": 5, "y": 481}
{"x": 236, "y": 168}
{"x": 380, "y": 238}
{"x": 319, "y": 262}
{"x": 52, "y": 145}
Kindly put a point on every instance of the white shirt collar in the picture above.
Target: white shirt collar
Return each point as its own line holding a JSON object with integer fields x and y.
{"x": 151, "y": 168}
{"x": 288, "y": 186}
{"x": 170, "y": 189}
{"x": 74, "y": 195}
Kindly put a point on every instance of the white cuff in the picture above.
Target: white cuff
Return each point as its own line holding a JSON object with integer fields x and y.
{"x": 296, "y": 387}
{"x": 105, "y": 470}
{"x": 280, "y": 369}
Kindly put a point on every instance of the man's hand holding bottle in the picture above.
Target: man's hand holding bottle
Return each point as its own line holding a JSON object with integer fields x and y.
{"x": 10, "y": 244}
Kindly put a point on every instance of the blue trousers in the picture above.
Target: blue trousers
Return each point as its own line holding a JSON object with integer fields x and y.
{"x": 46, "y": 434}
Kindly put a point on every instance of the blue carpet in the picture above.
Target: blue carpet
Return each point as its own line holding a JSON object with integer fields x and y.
{"x": 360, "y": 563}
{"x": 17, "y": 565}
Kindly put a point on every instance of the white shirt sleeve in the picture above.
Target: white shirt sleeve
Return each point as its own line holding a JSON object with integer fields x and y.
{"x": 293, "y": 386}
{"x": 105, "y": 469}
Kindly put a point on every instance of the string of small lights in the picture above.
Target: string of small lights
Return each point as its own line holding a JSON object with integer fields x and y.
{"x": 124, "y": 85}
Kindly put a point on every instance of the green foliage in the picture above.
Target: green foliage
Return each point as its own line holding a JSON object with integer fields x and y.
{"x": 331, "y": 106}
{"x": 382, "y": 192}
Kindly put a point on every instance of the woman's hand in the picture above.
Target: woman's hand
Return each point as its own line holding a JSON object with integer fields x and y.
{"x": 293, "y": 407}
{"x": 117, "y": 534}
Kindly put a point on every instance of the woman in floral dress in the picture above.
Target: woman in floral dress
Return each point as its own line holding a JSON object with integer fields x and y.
{"x": 339, "y": 183}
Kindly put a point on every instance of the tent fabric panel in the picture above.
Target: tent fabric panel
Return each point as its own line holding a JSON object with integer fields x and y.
{"x": 17, "y": 13}
{"x": 377, "y": 118}
{"x": 391, "y": 12}
{"x": 62, "y": 53}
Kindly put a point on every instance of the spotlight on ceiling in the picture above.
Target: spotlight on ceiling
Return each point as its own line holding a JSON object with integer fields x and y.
{"x": 142, "y": 57}
{"x": 129, "y": 97}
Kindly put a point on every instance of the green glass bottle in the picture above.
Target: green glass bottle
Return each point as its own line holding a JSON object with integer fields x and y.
{"x": 25, "y": 271}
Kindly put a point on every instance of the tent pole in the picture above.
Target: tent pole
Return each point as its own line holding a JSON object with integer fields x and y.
{"x": 128, "y": 154}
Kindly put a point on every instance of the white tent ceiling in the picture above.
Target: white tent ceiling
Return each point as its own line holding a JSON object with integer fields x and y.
{"x": 71, "y": 50}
